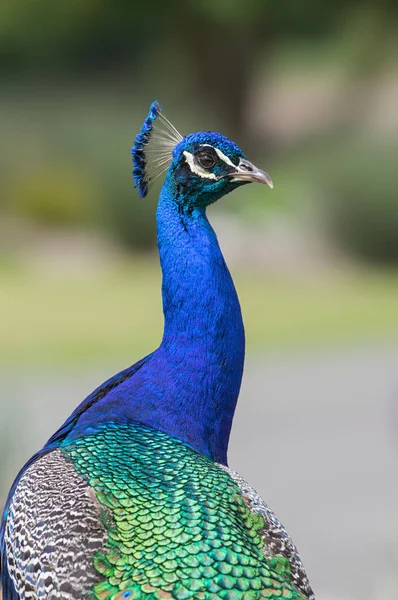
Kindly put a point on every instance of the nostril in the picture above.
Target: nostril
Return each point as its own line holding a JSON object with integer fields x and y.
{"x": 246, "y": 166}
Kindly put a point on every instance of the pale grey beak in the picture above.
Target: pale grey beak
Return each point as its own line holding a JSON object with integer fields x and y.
{"x": 246, "y": 171}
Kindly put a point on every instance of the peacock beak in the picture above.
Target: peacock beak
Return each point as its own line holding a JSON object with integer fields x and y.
{"x": 246, "y": 171}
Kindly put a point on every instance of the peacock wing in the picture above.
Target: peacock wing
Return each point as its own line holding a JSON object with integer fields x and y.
{"x": 53, "y": 528}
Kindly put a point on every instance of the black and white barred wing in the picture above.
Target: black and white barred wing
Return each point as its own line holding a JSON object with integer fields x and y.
{"x": 53, "y": 529}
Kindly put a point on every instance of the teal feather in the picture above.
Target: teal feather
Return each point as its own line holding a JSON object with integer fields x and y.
{"x": 178, "y": 524}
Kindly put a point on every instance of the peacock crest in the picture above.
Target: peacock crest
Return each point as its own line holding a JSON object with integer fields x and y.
{"x": 153, "y": 147}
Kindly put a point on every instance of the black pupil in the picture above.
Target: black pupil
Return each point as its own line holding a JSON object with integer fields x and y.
{"x": 206, "y": 159}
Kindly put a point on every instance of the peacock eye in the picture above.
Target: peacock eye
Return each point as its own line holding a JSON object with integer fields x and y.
{"x": 206, "y": 159}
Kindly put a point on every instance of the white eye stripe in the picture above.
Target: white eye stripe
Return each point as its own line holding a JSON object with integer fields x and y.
{"x": 221, "y": 155}
{"x": 195, "y": 168}
{"x": 201, "y": 172}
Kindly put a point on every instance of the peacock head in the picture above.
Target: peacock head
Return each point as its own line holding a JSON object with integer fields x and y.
{"x": 201, "y": 167}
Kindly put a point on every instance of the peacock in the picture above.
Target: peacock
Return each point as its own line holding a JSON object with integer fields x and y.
{"x": 132, "y": 497}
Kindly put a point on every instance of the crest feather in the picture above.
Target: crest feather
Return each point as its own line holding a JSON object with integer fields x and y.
{"x": 153, "y": 148}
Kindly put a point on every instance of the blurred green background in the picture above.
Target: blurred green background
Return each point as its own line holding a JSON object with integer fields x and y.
{"x": 309, "y": 90}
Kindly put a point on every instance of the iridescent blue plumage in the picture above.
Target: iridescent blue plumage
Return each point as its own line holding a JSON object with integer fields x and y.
{"x": 138, "y": 152}
{"x": 132, "y": 496}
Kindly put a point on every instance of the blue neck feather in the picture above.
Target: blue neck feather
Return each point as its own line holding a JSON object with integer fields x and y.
{"x": 203, "y": 337}
{"x": 189, "y": 386}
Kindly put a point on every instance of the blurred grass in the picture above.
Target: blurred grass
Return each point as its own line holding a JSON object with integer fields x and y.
{"x": 115, "y": 316}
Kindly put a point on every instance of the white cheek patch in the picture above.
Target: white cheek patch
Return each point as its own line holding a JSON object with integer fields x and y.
{"x": 196, "y": 169}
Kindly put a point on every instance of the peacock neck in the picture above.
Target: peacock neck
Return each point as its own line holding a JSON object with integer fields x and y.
{"x": 189, "y": 386}
{"x": 203, "y": 341}
{"x": 200, "y": 303}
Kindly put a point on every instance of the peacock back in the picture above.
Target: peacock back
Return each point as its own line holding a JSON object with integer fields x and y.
{"x": 130, "y": 512}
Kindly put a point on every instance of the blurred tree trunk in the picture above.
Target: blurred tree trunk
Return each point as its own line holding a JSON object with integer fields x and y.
{"x": 223, "y": 58}
{"x": 376, "y": 30}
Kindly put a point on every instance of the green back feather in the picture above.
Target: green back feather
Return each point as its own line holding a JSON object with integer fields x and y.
{"x": 178, "y": 526}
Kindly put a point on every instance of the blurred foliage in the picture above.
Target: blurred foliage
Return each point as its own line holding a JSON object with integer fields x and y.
{"x": 221, "y": 42}
{"x": 53, "y": 196}
{"x": 70, "y": 165}
{"x": 77, "y": 77}
{"x": 362, "y": 203}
